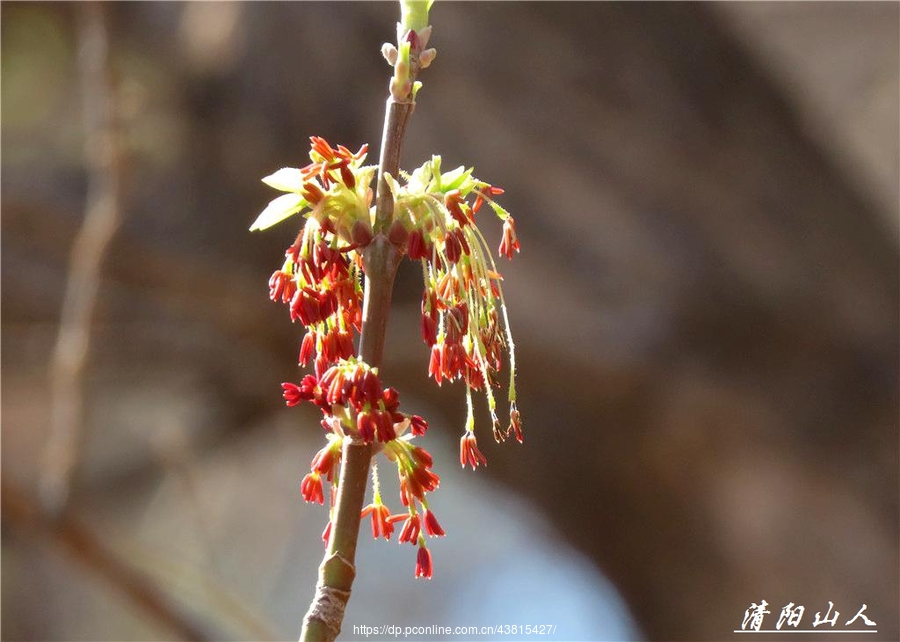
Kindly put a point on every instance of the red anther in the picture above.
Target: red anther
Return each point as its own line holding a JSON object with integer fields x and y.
{"x": 381, "y": 524}
{"x": 509, "y": 244}
{"x": 384, "y": 426}
{"x": 324, "y": 461}
{"x": 432, "y": 527}
{"x": 347, "y": 176}
{"x": 321, "y": 147}
{"x": 365, "y": 425}
{"x": 417, "y": 246}
{"x": 307, "y": 348}
{"x": 421, "y": 456}
{"x": 311, "y": 488}
{"x": 410, "y": 531}
{"x": 292, "y": 394}
{"x": 469, "y": 452}
{"x": 312, "y": 193}
{"x": 429, "y": 330}
{"x": 391, "y": 399}
{"x": 452, "y": 247}
{"x": 435, "y": 363}
{"x": 515, "y": 423}
{"x": 418, "y": 425}
{"x": 424, "y": 565}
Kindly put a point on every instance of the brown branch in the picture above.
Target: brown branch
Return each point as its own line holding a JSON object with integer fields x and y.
{"x": 381, "y": 260}
{"x": 102, "y": 217}
{"x": 81, "y": 544}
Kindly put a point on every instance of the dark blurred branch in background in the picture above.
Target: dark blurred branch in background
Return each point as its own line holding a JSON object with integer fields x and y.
{"x": 102, "y": 216}
{"x": 76, "y": 541}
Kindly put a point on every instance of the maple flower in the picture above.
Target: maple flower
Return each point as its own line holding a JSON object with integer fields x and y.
{"x": 469, "y": 453}
{"x": 282, "y": 286}
{"x": 510, "y": 242}
{"x": 418, "y": 425}
{"x": 292, "y": 393}
{"x": 432, "y": 527}
{"x": 464, "y": 320}
{"x": 326, "y": 460}
{"x": 424, "y": 565}
{"x": 410, "y": 531}
{"x": 515, "y": 423}
{"x": 381, "y": 524}
{"x": 311, "y": 488}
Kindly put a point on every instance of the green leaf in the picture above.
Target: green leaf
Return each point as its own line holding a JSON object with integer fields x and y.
{"x": 286, "y": 179}
{"x": 278, "y": 210}
{"x": 453, "y": 179}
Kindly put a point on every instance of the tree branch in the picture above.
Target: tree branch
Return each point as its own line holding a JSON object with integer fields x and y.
{"x": 80, "y": 543}
{"x": 381, "y": 260}
{"x": 102, "y": 217}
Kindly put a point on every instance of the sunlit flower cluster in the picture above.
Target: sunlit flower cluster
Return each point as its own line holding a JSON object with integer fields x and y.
{"x": 356, "y": 406}
{"x": 464, "y": 321}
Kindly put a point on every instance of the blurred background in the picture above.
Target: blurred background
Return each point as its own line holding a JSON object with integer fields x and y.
{"x": 705, "y": 310}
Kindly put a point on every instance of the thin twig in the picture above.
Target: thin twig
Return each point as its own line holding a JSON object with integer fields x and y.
{"x": 80, "y": 543}
{"x": 102, "y": 217}
{"x": 381, "y": 259}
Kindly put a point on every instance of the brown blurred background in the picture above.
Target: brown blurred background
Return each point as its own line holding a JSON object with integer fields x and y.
{"x": 705, "y": 309}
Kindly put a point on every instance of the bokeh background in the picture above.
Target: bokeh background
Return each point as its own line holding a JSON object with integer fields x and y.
{"x": 705, "y": 308}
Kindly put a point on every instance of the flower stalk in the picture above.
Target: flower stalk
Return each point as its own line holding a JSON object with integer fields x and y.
{"x": 380, "y": 260}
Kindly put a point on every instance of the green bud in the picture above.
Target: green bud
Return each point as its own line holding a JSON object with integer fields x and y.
{"x": 414, "y": 13}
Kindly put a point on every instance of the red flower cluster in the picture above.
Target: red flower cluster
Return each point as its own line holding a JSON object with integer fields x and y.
{"x": 321, "y": 286}
{"x": 462, "y": 303}
{"x": 332, "y": 161}
{"x": 416, "y": 480}
{"x": 355, "y": 404}
{"x": 351, "y": 393}
{"x": 464, "y": 320}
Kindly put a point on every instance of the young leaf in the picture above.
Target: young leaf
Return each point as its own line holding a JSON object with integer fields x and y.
{"x": 278, "y": 210}
{"x": 454, "y": 178}
{"x": 286, "y": 179}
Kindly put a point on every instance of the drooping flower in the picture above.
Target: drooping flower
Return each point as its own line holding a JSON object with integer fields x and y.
{"x": 311, "y": 488}
{"x": 424, "y": 565}
{"x": 464, "y": 321}
{"x": 515, "y": 423}
{"x": 432, "y": 527}
{"x": 469, "y": 452}
{"x": 410, "y": 531}
{"x": 381, "y": 524}
{"x": 509, "y": 244}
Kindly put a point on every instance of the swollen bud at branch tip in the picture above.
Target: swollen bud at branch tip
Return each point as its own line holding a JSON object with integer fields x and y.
{"x": 390, "y": 53}
{"x": 426, "y": 58}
